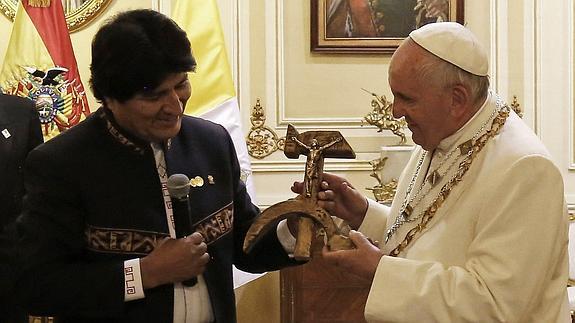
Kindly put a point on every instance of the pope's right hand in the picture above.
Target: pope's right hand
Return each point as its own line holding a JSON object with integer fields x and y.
{"x": 340, "y": 199}
{"x": 174, "y": 260}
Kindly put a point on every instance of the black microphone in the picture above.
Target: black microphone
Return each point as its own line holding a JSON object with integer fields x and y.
{"x": 179, "y": 189}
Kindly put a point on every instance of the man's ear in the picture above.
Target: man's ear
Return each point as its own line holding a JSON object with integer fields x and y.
{"x": 460, "y": 101}
{"x": 111, "y": 104}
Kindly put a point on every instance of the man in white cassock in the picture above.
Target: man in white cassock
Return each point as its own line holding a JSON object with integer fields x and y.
{"x": 477, "y": 231}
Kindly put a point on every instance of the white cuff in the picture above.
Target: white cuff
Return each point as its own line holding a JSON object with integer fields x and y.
{"x": 133, "y": 287}
{"x": 375, "y": 220}
{"x": 285, "y": 237}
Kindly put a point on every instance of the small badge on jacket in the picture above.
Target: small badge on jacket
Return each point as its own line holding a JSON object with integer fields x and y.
{"x": 6, "y": 133}
{"x": 197, "y": 182}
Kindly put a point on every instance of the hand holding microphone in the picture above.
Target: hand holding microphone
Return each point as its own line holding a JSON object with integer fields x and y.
{"x": 175, "y": 260}
{"x": 179, "y": 189}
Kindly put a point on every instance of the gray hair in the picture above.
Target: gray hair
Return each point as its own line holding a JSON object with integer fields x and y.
{"x": 444, "y": 74}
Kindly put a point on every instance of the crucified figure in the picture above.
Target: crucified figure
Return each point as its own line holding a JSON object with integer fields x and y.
{"x": 305, "y": 208}
{"x": 314, "y": 162}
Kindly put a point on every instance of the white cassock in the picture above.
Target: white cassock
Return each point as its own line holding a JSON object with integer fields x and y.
{"x": 495, "y": 251}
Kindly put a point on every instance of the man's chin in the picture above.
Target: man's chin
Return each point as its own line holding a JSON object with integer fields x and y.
{"x": 417, "y": 140}
{"x": 165, "y": 134}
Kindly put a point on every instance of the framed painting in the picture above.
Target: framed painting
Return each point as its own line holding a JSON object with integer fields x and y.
{"x": 374, "y": 26}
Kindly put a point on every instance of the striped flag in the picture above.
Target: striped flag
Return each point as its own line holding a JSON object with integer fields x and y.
{"x": 40, "y": 65}
{"x": 213, "y": 96}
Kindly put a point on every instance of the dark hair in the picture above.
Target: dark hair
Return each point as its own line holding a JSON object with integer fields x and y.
{"x": 135, "y": 51}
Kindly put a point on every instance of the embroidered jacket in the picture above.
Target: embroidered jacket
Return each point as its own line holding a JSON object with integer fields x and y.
{"x": 95, "y": 200}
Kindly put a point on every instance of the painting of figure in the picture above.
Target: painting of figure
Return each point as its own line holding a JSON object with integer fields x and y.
{"x": 350, "y": 24}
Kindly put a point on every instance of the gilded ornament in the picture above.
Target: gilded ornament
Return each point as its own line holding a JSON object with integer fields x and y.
{"x": 262, "y": 141}
{"x": 76, "y": 17}
{"x": 381, "y": 116}
{"x": 197, "y": 182}
{"x": 382, "y": 192}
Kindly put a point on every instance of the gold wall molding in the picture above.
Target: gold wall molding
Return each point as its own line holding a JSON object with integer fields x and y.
{"x": 262, "y": 141}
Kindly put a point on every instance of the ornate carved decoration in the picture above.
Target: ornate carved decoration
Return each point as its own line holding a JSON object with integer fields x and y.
{"x": 262, "y": 141}
{"x": 382, "y": 192}
{"x": 381, "y": 116}
{"x": 6, "y": 10}
{"x": 76, "y": 18}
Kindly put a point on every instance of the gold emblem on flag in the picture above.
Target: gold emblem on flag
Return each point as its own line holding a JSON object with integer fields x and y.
{"x": 60, "y": 103}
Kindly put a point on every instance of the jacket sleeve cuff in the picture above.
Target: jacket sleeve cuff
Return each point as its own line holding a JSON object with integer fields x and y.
{"x": 285, "y": 237}
{"x": 133, "y": 287}
{"x": 375, "y": 220}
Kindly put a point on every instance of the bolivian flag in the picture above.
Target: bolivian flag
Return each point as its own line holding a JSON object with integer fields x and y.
{"x": 40, "y": 65}
{"x": 213, "y": 93}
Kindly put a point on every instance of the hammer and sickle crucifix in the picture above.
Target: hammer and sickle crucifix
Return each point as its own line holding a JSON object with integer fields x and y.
{"x": 316, "y": 145}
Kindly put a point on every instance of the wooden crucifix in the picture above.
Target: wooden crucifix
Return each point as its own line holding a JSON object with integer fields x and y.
{"x": 316, "y": 145}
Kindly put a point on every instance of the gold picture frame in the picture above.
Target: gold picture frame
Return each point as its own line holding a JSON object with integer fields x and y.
{"x": 78, "y": 12}
{"x": 374, "y": 26}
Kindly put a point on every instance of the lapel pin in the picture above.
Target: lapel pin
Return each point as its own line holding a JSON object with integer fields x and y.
{"x": 211, "y": 180}
{"x": 197, "y": 182}
{"x": 6, "y": 133}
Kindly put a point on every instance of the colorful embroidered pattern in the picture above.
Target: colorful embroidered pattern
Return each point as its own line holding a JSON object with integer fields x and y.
{"x": 122, "y": 240}
{"x": 129, "y": 279}
{"x": 217, "y": 224}
{"x": 139, "y": 242}
{"x": 116, "y": 134}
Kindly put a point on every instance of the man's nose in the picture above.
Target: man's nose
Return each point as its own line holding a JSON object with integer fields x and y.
{"x": 397, "y": 110}
{"x": 172, "y": 102}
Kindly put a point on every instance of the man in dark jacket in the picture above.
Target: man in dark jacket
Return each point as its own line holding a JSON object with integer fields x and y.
{"x": 98, "y": 232}
{"x": 20, "y": 132}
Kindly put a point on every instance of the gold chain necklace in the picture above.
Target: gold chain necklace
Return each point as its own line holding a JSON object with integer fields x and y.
{"x": 464, "y": 166}
{"x": 410, "y": 202}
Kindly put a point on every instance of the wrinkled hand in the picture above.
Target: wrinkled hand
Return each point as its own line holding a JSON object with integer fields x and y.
{"x": 362, "y": 261}
{"x": 340, "y": 199}
{"x": 174, "y": 260}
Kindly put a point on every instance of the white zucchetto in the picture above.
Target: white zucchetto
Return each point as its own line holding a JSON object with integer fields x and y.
{"x": 455, "y": 44}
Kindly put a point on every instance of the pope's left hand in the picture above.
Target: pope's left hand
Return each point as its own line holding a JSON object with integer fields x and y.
{"x": 362, "y": 261}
